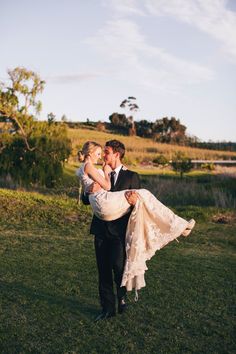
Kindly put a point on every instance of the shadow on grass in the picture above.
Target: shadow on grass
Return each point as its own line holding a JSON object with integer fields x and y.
{"x": 15, "y": 290}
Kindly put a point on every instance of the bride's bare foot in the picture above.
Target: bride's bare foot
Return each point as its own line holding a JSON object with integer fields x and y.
{"x": 191, "y": 225}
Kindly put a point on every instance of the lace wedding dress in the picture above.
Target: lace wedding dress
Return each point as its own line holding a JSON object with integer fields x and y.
{"x": 151, "y": 226}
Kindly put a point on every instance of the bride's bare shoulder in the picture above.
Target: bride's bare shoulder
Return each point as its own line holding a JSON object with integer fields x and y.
{"x": 88, "y": 167}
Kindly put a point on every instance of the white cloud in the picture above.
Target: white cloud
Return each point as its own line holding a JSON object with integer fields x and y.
{"x": 133, "y": 59}
{"x": 124, "y": 7}
{"x": 72, "y": 78}
{"x": 210, "y": 16}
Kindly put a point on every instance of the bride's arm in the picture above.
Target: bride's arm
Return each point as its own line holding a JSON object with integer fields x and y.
{"x": 93, "y": 173}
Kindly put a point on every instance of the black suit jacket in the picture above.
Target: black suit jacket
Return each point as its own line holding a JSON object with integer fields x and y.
{"x": 126, "y": 180}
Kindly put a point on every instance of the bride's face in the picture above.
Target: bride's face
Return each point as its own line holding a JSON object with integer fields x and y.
{"x": 96, "y": 155}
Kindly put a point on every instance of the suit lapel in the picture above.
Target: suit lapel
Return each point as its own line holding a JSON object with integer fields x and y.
{"x": 119, "y": 179}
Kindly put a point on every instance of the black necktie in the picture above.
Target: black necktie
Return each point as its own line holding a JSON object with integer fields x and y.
{"x": 113, "y": 180}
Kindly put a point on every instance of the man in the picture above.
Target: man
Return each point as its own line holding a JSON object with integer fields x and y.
{"x": 110, "y": 235}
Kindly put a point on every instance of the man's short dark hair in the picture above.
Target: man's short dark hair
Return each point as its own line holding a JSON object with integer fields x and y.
{"x": 117, "y": 146}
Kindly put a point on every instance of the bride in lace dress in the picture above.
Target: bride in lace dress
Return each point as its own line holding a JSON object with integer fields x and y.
{"x": 151, "y": 224}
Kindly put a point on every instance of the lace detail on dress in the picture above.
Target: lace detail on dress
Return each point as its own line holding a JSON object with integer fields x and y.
{"x": 151, "y": 226}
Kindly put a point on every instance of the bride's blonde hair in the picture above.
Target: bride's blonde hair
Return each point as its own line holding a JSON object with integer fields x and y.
{"x": 88, "y": 148}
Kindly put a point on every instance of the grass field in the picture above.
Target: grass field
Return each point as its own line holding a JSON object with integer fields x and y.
{"x": 196, "y": 188}
{"x": 48, "y": 283}
{"x": 140, "y": 149}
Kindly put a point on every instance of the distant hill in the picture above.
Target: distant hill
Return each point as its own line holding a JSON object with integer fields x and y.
{"x": 142, "y": 149}
{"x": 188, "y": 140}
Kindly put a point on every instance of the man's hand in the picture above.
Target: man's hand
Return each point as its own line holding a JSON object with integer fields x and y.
{"x": 132, "y": 197}
{"x": 95, "y": 187}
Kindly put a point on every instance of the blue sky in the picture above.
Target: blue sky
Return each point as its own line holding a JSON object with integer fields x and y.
{"x": 177, "y": 57}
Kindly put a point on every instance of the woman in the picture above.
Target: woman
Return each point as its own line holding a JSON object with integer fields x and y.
{"x": 151, "y": 225}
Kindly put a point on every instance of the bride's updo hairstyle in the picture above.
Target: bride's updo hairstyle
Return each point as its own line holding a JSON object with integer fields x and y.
{"x": 88, "y": 148}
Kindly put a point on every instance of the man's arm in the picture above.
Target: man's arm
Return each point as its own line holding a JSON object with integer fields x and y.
{"x": 132, "y": 196}
{"x": 85, "y": 198}
{"x": 135, "y": 184}
{"x": 95, "y": 187}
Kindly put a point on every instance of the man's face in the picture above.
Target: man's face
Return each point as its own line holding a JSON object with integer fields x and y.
{"x": 110, "y": 157}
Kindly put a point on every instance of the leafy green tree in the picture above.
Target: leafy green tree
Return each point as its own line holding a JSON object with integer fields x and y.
{"x": 34, "y": 167}
{"x": 37, "y": 150}
{"x": 181, "y": 163}
{"x": 18, "y": 100}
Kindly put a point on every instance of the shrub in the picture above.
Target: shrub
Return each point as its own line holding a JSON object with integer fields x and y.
{"x": 161, "y": 160}
{"x": 208, "y": 166}
{"x": 42, "y": 165}
{"x": 181, "y": 163}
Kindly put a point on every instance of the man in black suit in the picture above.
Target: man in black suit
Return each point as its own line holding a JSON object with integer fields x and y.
{"x": 110, "y": 235}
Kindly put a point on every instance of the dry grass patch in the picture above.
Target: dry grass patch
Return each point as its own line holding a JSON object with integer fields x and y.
{"x": 142, "y": 149}
{"x": 226, "y": 218}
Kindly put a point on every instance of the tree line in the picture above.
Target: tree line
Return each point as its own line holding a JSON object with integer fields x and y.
{"x": 164, "y": 130}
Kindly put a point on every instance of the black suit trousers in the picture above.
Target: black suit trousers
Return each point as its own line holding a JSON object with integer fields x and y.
{"x": 110, "y": 255}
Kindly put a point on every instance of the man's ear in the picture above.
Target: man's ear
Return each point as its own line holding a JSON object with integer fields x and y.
{"x": 117, "y": 154}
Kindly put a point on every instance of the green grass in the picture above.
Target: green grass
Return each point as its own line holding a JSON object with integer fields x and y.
{"x": 48, "y": 285}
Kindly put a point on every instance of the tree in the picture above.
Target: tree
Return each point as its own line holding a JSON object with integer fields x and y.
{"x": 51, "y": 118}
{"x": 18, "y": 100}
{"x": 64, "y": 118}
{"x": 131, "y": 106}
{"x": 31, "y": 167}
{"x": 119, "y": 120}
{"x": 36, "y": 152}
{"x": 181, "y": 163}
{"x": 168, "y": 130}
{"x": 144, "y": 128}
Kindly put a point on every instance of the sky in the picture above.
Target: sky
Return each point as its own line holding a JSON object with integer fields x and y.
{"x": 177, "y": 57}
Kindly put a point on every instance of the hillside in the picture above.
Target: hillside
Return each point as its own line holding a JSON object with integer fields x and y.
{"x": 141, "y": 149}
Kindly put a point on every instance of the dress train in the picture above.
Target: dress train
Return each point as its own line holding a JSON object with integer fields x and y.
{"x": 151, "y": 226}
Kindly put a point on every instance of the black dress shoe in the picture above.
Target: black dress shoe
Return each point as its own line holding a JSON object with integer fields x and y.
{"x": 122, "y": 306}
{"x": 104, "y": 315}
